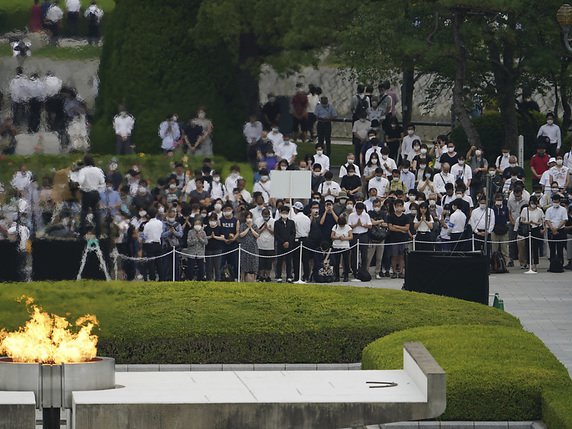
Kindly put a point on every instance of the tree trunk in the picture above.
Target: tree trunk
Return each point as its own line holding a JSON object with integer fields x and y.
{"x": 407, "y": 91}
{"x": 564, "y": 92}
{"x": 459, "y": 102}
{"x": 248, "y": 75}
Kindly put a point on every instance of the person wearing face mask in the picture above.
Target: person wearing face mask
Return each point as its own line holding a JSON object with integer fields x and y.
{"x": 387, "y": 163}
{"x": 552, "y": 132}
{"x": 399, "y": 225}
{"x": 457, "y": 225}
{"x": 461, "y": 171}
{"x": 502, "y": 161}
{"x": 325, "y": 113}
{"x": 370, "y": 147}
{"x": 213, "y": 248}
{"x": 248, "y": 237}
{"x": 369, "y": 202}
{"x": 560, "y": 174}
{"x": 396, "y": 183}
{"x": 425, "y": 184}
{"x": 518, "y": 198}
{"x": 320, "y": 158}
{"x": 500, "y": 234}
{"x": 378, "y": 234}
{"x": 555, "y": 221}
{"x": 351, "y": 183}
{"x": 406, "y": 148}
{"x": 513, "y": 169}
{"x": 265, "y": 243}
{"x": 482, "y": 222}
{"x": 531, "y": 221}
{"x": 443, "y": 178}
{"x": 410, "y": 200}
{"x": 230, "y": 226}
{"x": 545, "y": 178}
{"x": 263, "y": 186}
{"x": 231, "y": 181}
{"x": 479, "y": 168}
{"x": 423, "y": 224}
{"x": 422, "y": 159}
{"x": 197, "y": 241}
{"x": 217, "y": 189}
{"x": 284, "y": 235}
{"x": 171, "y": 237}
{"x": 406, "y": 176}
{"x": 360, "y": 223}
{"x": 123, "y": 124}
{"x": 350, "y": 159}
{"x": 204, "y": 144}
{"x": 287, "y": 150}
{"x": 329, "y": 187}
{"x": 539, "y": 164}
{"x": 170, "y": 133}
{"x": 341, "y": 236}
{"x": 378, "y": 182}
{"x": 450, "y": 156}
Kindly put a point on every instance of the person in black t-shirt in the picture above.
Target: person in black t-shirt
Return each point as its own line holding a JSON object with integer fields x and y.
{"x": 351, "y": 183}
{"x": 399, "y": 232}
{"x": 213, "y": 248}
{"x": 450, "y": 157}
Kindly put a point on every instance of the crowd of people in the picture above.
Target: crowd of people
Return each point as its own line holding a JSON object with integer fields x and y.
{"x": 394, "y": 193}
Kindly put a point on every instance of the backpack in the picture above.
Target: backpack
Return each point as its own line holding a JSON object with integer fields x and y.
{"x": 361, "y": 107}
{"x": 498, "y": 265}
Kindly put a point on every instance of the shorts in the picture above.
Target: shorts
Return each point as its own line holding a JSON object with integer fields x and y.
{"x": 265, "y": 261}
{"x": 395, "y": 249}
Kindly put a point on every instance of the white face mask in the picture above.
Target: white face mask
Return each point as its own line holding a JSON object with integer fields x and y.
{"x": 373, "y": 161}
{"x": 450, "y": 149}
{"x": 218, "y": 206}
{"x": 350, "y": 161}
{"x": 549, "y": 121}
{"x": 274, "y": 130}
{"x": 413, "y": 212}
{"x": 422, "y": 166}
{"x": 428, "y": 176}
{"x": 505, "y": 155}
{"x": 319, "y": 152}
{"x": 284, "y": 216}
{"x": 483, "y": 206}
{"x": 478, "y": 152}
{"x": 532, "y": 206}
{"x": 423, "y": 151}
{"x": 432, "y": 203}
{"x": 559, "y": 162}
{"x": 411, "y": 197}
{"x": 227, "y": 213}
{"x": 283, "y": 167}
{"x": 264, "y": 178}
{"x": 410, "y": 132}
{"x": 349, "y": 207}
{"x": 384, "y": 157}
{"x": 202, "y": 115}
{"x": 498, "y": 203}
{"x": 216, "y": 179}
{"x": 197, "y": 227}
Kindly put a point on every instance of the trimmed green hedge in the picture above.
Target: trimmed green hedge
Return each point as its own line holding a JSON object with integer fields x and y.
{"x": 241, "y": 323}
{"x": 493, "y": 372}
{"x": 150, "y": 63}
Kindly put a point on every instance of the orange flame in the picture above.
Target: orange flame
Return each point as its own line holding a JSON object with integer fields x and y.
{"x": 47, "y": 338}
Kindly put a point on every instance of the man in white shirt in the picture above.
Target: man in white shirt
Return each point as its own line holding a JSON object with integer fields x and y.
{"x": 482, "y": 222}
{"x": 559, "y": 173}
{"x": 93, "y": 14}
{"x": 350, "y": 160}
{"x": 302, "y": 223}
{"x": 545, "y": 177}
{"x": 53, "y": 17}
{"x": 457, "y": 222}
{"x": 388, "y": 164}
{"x": 72, "y": 7}
{"x": 91, "y": 182}
{"x": 378, "y": 182}
{"x": 152, "y": 232}
{"x": 554, "y": 220}
{"x": 286, "y": 150}
{"x": 442, "y": 178}
{"x": 462, "y": 171}
{"x": 22, "y": 179}
{"x": 123, "y": 124}
{"x": 552, "y": 131}
{"x": 231, "y": 181}
{"x": 320, "y": 158}
{"x": 252, "y": 130}
{"x": 17, "y": 90}
{"x": 329, "y": 187}
{"x": 264, "y": 185}
{"x": 503, "y": 160}
{"x": 170, "y": 134}
{"x": 360, "y": 223}
{"x": 276, "y": 137}
{"x": 407, "y": 143}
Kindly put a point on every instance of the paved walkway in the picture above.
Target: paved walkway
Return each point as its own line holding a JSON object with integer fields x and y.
{"x": 542, "y": 302}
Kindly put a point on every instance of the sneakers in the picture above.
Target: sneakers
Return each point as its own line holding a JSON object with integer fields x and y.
{"x": 401, "y": 276}
{"x": 378, "y": 277}
{"x": 289, "y": 280}
{"x": 386, "y": 274}
{"x": 393, "y": 275}
{"x": 278, "y": 279}
{"x": 346, "y": 278}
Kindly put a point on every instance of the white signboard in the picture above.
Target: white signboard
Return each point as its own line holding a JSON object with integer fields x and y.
{"x": 291, "y": 184}
{"x": 521, "y": 151}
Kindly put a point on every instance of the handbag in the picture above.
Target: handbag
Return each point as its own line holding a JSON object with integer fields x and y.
{"x": 524, "y": 228}
{"x": 378, "y": 234}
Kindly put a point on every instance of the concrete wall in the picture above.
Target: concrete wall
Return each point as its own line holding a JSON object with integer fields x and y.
{"x": 17, "y": 410}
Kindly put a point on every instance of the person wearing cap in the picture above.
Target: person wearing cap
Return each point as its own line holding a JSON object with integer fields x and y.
{"x": 302, "y": 223}
{"x": 284, "y": 235}
{"x": 555, "y": 220}
{"x": 552, "y": 131}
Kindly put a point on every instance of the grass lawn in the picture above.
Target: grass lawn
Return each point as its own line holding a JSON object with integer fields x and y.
{"x": 59, "y": 53}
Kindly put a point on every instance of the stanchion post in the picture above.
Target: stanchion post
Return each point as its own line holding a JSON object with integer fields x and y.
{"x": 357, "y": 255}
{"x": 530, "y": 270}
{"x": 238, "y": 265}
{"x": 174, "y": 263}
{"x": 473, "y": 241}
{"x": 300, "y": 249}
{"x": 414, "y": 243}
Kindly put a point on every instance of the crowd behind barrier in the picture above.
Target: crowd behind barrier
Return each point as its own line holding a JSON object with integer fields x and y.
{"x": 394, "y": 193}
